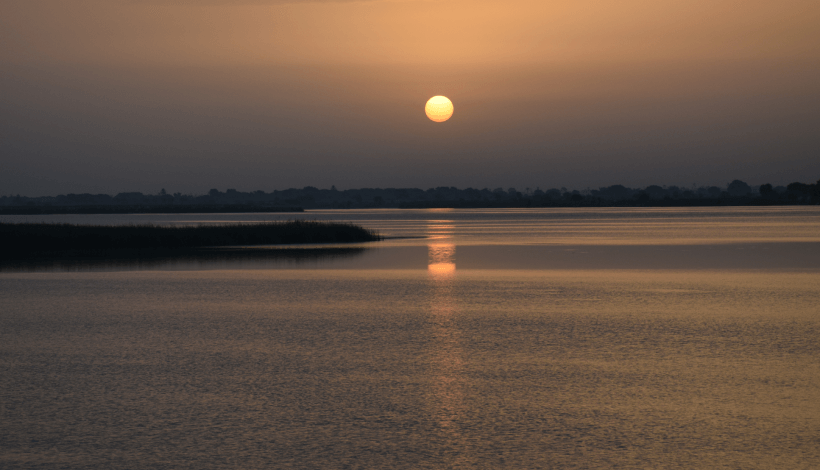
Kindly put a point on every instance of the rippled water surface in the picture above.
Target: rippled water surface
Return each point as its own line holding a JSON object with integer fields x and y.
{"x": 674, "y": 338}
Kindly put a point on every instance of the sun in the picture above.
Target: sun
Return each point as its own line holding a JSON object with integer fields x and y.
{"x": 439, "y": 108}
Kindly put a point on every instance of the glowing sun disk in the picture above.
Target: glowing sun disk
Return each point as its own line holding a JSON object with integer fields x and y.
{"x": 439, "y": 108}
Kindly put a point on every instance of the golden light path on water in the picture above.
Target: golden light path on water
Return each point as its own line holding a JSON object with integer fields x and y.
{"x": 447, "y": 354}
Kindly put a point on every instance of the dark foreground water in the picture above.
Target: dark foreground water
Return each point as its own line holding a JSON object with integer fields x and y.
{"x": 508, "y": 339}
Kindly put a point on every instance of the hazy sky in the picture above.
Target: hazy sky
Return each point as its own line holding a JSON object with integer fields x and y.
{"x": 138, "y": 95}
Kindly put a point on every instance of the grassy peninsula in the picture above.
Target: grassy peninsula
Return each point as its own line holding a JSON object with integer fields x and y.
{"x": 20, "y": 240}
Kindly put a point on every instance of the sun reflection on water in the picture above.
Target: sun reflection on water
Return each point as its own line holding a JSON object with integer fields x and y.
{"x": 447, "y": 388}
{"x": 441, "y": 259}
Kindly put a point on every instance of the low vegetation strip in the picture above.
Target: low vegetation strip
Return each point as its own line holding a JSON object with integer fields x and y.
{"x": 34, "y": 209}
{"x": 25, "y": 239}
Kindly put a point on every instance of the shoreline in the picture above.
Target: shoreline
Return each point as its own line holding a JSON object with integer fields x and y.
{"x": 522, "y": 204}
{"x": 146, "y": 209}
{"x": 27, "y": 240}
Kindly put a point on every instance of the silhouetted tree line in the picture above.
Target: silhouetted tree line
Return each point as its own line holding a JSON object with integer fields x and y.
{"x": 735, "y": 193}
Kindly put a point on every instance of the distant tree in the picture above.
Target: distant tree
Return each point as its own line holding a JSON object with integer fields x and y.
{"x": 130, "y": 198}
{"x": 801, "y": 189}
{"x": 553, "y": 193}
{"x": 213, "y": 193}
{"x": 655, "y": 192}
{"x": 738, "y": 188}
{"x": 766, "y": 190}
{"x": 166, "y": 198}
{"x": 673, "y": 191}
{"x": 615, "y": 192}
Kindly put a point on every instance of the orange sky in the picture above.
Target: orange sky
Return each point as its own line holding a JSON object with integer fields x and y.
{"x": 408, "y": 32}
{"x": 546, "y": 93}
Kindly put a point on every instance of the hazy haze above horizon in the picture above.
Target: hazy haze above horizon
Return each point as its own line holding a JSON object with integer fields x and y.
{"x": 111, "y": 96}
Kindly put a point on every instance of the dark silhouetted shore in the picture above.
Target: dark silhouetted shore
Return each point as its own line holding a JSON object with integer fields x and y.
{"x": 26, "y": 240}
{"x": 143, "y": 209}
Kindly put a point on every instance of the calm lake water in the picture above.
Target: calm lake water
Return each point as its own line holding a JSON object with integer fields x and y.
{"x": 555, "y": 338}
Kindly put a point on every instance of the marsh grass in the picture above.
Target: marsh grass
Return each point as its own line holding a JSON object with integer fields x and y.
{"x": 24, "y": 239}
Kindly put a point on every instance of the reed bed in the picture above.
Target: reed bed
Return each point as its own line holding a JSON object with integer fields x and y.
{"x": 25, "y": 239}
